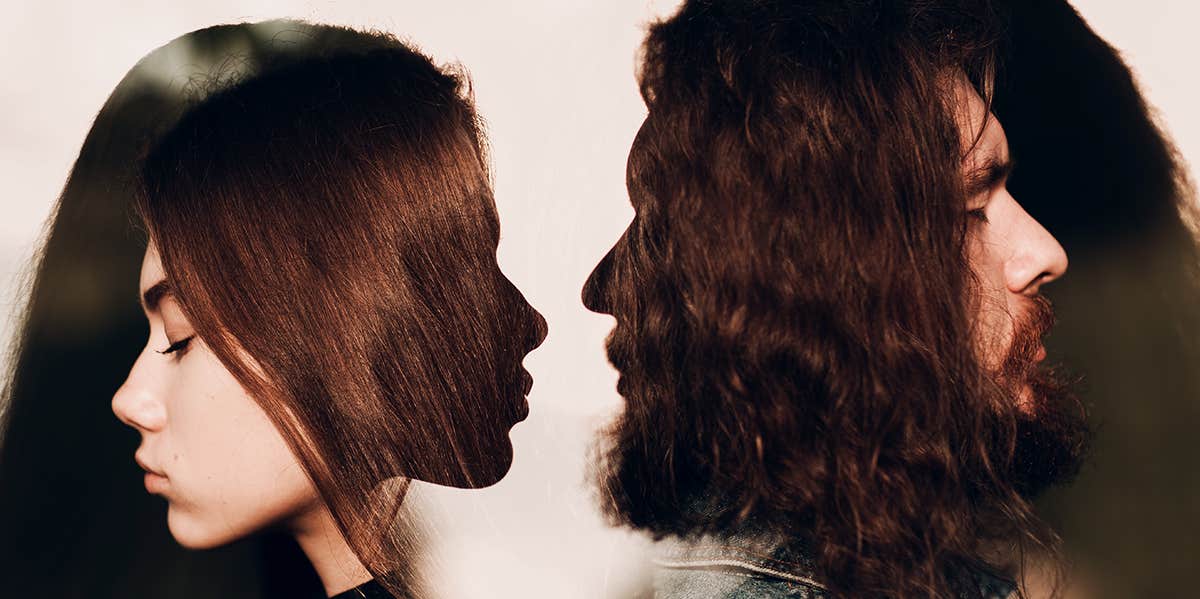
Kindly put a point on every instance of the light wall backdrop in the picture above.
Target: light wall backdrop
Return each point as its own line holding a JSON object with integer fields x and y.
{"x": 554, "y": 79}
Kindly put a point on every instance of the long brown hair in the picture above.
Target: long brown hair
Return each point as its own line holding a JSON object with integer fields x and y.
{"x": 69, "y": 487}
{"x": 793, "y": 297}
{"x": 329, "y": 229}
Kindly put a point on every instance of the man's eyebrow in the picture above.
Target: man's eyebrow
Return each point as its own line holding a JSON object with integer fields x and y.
{"x": 988, "y": 176}
{"x": 154, "y": 295}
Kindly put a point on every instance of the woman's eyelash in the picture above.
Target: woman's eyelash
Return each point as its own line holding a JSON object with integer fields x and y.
{"x": 979, "y": 214}
{"x": 178, "y": 345}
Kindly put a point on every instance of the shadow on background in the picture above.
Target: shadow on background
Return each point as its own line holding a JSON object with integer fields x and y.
{"x": 1095, "y": 170}
{"x": 75, "y": 520}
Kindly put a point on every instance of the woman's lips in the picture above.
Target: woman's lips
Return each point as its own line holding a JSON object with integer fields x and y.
{"x": 523, "y": 402}
{"x": 155, "y": 483}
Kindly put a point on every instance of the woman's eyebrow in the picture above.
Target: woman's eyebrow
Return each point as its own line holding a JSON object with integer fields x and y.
{"x": 154, "y": 295}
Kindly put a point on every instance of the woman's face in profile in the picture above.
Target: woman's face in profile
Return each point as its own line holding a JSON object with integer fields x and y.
{"x": 207, "y": 447}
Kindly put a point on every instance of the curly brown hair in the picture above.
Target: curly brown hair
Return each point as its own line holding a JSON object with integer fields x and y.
{"x": 794, "y": 303}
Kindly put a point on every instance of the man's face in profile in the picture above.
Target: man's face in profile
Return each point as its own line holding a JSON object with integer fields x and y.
{"x": 1012, "y": 256}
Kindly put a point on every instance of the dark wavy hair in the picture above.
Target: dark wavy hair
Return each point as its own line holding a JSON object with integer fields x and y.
{"x": 793, "y": 299}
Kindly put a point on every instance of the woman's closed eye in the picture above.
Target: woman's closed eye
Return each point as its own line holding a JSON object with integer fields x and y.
{"x": 180, "y": 345}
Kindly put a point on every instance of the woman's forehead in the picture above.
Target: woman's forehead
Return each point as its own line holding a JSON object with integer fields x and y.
{"x": 152, "y": 269}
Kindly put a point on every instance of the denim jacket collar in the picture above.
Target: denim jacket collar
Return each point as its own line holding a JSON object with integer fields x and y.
{"x": 767, "y": 557}
{"x": 755, "y": 554}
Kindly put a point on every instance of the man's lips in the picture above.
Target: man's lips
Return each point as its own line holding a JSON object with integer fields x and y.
{"x": 527, "y": 381}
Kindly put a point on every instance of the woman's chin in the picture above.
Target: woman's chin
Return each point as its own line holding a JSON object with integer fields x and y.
{"x": 192, "y": 533}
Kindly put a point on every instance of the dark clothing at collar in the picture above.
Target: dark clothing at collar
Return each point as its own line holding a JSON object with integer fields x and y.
{"x": 367, "y": 590}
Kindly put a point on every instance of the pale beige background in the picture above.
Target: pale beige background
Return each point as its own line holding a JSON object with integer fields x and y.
{"x": 555, "y": 81}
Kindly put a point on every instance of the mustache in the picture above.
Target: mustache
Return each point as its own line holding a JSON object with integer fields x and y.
{"x": 1020, "y": 360}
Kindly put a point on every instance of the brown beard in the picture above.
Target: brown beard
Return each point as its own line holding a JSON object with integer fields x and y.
{"x": 1052, "y": 433}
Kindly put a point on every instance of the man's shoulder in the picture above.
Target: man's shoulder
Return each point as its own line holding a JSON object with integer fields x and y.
{"x": 743, "y": 566}
{"x": 733, "y": 567}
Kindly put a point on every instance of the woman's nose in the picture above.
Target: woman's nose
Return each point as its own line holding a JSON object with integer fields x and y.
{"x": 595, "y": 289}
{"x": 136, "y": 402}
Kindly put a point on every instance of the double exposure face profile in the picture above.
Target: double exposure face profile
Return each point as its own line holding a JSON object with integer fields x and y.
{"x": 828, "y": 307}
{"x": 327, "y": 317}
{"x": 1012, "y": 257}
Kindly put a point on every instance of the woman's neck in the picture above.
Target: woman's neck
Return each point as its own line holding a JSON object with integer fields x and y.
{"x": 323, "y": 544}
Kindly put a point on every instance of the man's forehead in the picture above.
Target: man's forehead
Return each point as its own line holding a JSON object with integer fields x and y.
{"x": 980, "y": 131}
{"x": 990, "y": 146}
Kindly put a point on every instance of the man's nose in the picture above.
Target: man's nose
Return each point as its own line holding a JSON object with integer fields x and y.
{"x": 1037, "y": 258}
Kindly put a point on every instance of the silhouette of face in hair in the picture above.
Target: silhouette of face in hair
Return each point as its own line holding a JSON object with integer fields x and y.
{"x": 217, "y": 458}
{"x": 1011, "y": 257}
{"x": 328, "y": 230}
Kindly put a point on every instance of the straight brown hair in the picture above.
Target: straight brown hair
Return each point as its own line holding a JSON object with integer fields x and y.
{"x": 329, "y": 229}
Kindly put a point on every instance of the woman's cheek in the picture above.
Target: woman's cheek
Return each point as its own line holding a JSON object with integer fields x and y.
{"x": 235, "y": 473}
